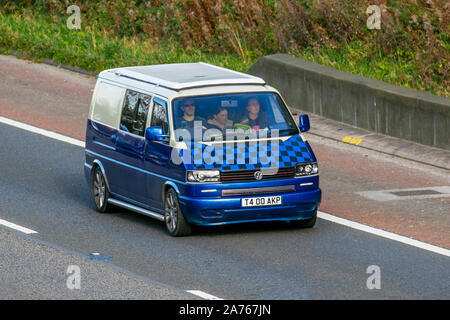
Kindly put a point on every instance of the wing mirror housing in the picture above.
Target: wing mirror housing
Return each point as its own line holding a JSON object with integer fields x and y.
{"x": 303, "y": 123}
{"x": 155, "y": 134}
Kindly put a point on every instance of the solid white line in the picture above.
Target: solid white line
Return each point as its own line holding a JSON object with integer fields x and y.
{"x": 322, "y": 215}
{"x": 16, "y": 227}
{"x": 203, "y": 295}
{"x": 46, "y": 133}
{"x": 384, "y": 234}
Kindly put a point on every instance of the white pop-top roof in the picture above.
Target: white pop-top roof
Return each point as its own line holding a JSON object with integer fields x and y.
{"x": 180, "y": 76}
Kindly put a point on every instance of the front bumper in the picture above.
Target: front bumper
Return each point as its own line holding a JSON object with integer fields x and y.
{"x": 226, "y": 210}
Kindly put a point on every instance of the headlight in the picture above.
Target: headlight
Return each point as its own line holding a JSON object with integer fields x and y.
{"x": 305, "y": 169}
{"x": 203, "y": 176}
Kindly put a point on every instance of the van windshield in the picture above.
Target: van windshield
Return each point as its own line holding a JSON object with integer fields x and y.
{"x": 232, "y": 116}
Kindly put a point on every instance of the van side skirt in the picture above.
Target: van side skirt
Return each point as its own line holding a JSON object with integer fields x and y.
{"x": 137, "y": 209}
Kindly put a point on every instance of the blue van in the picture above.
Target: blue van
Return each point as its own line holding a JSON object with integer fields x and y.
{"x": 196, "y": 144}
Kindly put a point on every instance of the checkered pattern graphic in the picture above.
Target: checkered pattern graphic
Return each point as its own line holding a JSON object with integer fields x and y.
{"x": 247, "y": 156}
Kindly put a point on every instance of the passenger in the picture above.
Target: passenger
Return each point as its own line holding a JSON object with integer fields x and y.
{"x": 219, "y": 120}
{"x": 254, "y": 118}
{"x": 188, "y": 118}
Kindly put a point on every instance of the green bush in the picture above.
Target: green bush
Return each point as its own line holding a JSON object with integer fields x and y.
{"x": 411, "y": 49}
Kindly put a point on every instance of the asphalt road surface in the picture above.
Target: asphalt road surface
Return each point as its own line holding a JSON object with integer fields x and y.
{"x": 42, "y": 188}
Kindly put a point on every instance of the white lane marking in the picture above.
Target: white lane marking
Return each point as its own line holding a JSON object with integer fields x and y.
{"x": 203, "y": 295}
{"x": 46, "y": 133}
{"x": 384, "y": 234}
{"x": 322, "y": 215}
{"x": 16, "y": 227}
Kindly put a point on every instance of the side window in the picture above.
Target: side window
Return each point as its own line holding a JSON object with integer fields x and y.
{"x": 107, "y": 104}
{"x": 129, "y": 110}
{"x": 142, "y": 113}
{"x": 134, "y": 112}
{"x": 159, "y": 117}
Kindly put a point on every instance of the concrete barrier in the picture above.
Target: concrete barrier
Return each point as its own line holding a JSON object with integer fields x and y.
{"x": 362, "y": 102}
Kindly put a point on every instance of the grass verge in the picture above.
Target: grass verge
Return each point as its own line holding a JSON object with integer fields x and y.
{"x": 95, "y": 49}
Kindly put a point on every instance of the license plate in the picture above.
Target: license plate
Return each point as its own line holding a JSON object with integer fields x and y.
{"x": 261, "y": 201}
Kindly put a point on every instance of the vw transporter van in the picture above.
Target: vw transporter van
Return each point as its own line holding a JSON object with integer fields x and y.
{"x": 196, "y": 144}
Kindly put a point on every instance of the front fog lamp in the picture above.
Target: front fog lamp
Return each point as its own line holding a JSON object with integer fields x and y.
{"x": 203, "y": 176}
{"x": 305, "y": 169}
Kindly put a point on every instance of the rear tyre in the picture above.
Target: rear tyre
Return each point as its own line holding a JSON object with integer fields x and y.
{"x": 175, "y": 222}
{"x": 100, "y": 191}
{"x": 309, "y": 223}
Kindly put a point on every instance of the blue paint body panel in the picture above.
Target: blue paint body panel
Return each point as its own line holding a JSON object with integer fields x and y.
{"x": 139, "y": 171}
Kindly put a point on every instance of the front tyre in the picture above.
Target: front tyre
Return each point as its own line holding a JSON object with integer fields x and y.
{"x": 175, "y": 222}
{"x": 100, "y": 191}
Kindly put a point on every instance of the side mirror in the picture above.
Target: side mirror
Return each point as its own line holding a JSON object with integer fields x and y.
{"x": 303, "y": 123}
{"x": 155, "y": 134}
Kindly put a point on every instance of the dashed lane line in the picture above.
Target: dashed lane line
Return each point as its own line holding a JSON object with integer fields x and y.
{"x": 203, "y": 295}
{"x": 16, "y": 227}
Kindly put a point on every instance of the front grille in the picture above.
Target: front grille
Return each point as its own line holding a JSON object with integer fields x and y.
{"x": 251, "y": 191}
{"x": 249, "y": 175}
